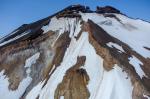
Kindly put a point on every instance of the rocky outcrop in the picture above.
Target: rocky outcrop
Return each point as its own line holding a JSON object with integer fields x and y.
{"x": 74, "y": 82}
{"x": 107, "y": 9}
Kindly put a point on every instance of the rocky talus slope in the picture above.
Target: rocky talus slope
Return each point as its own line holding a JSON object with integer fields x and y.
{"x": 77, "y": 53}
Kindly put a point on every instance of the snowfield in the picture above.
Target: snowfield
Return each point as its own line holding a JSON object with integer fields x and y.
{"x": 135, "y": 33}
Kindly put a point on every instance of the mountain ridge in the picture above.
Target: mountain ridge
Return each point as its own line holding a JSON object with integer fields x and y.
{"x": 45, "y": 21}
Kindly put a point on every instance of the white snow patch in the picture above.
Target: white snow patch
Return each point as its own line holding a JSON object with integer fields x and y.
{"x": 77, "y": 28}
{"x": 5, "y": 93}
{"x": 56, "y": 25}
{"x": 31, "y": 60}
{"x": 146, "y": 96}
{"x": 136, "y": 64}
{"x": 33, "y": 94}
{"x": 111, "y": 44}
{"x": 62, "y": 97}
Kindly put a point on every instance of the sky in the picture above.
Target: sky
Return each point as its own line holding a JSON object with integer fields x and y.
{"x": 14, "y": 13}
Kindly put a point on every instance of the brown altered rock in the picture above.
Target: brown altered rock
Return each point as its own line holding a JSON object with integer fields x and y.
{"x": 13, "y": 57}
{"x": 107, "y": 9}
{"x": 60, "y": 48}
{"x": 74, "y": 82}
{"x": 109, "y": 61}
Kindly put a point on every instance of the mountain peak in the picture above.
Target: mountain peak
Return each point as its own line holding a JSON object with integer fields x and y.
{"x": 77, "y": 53}
{"x": 107, "y": 9}
{"x": 73, "y": 10}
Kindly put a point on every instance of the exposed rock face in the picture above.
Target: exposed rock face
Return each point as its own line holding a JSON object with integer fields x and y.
{"x": 77, "y": 53}
{"x": 74, "y": 82}
{"x": 107, "y": 9}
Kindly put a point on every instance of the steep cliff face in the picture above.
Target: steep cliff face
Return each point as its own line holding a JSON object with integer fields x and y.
{"x": 77, "y": 53}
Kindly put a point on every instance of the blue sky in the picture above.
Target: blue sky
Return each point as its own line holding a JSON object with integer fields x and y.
{"x": 14, "y": 13}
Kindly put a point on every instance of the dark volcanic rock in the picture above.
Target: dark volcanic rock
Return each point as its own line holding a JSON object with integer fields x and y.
{"x": 107, "y": 9}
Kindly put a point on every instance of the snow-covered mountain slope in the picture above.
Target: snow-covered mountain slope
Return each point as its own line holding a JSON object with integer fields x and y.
{"x": 77, "y": 53}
